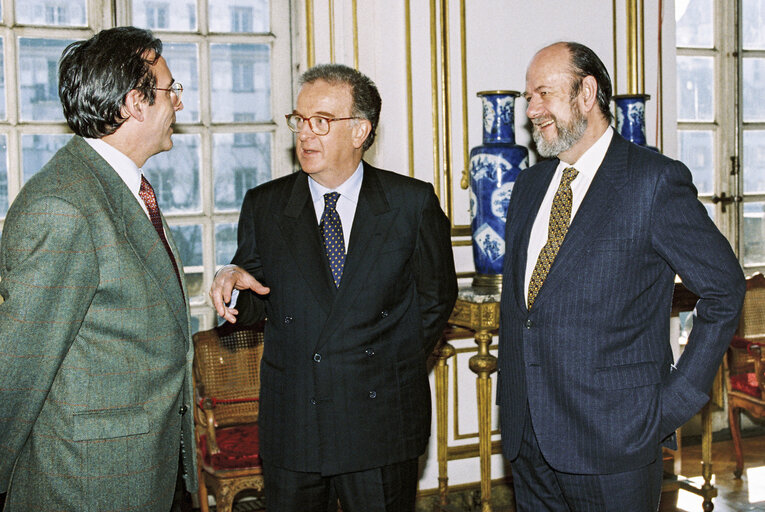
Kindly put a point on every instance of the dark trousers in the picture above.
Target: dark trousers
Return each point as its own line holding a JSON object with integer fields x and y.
{"x": 385, "y": 489}
{"x": 540, "y": 488}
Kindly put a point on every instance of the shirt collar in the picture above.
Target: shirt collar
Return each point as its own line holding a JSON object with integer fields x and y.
{"x": 591, "y": 159}
{"x": 121, "y": 163}
{"x": 349, "y": 189}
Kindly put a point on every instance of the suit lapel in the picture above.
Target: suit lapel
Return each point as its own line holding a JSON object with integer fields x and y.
{"x": 300, "y": 230}
{"x": 596, "y": 208}
{"x": 371, "y": 222}
{"x": 138, "y": 230}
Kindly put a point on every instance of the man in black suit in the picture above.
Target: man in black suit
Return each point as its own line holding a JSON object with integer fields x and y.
{"x": 588, "y": 391}
{"x": 345, "y": 402}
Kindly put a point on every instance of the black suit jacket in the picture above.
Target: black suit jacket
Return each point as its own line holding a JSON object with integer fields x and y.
{"x": 344, "y": 385}
{"x": 592, "y": 357}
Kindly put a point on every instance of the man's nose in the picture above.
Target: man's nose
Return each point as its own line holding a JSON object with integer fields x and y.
{"x": 533, "y": 109}
{"x": 179, "y": 107}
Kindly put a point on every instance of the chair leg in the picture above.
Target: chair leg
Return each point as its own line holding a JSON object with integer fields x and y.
{"x": 734, "y": 417}
{"x": 224, "y": 500}
{"x": 202, "y": 493}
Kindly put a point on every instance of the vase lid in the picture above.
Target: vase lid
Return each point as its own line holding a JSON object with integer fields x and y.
{"x": 496, "y": 92}
{"x": 637, "y": 96}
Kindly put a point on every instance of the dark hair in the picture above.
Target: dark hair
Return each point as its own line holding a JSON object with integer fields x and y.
{"x": 366, "y": 99}
{"x": 585, "y": 63}
{"x": 95, "y": 75}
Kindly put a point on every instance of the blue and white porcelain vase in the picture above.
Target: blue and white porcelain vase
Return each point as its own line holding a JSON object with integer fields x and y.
{"x": 494, "y": 166}
{"x": 630, "y": 117}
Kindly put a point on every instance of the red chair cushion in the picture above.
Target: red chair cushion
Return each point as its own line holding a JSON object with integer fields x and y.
{"x": 239, "y": 448}
{"x": 746, "y": 383}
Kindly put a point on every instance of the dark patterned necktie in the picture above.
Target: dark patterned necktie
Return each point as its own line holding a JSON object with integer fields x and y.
{"x": 150, "y": 200}
{"x": 560, "y": 217}
{"x": 332, "y": 231}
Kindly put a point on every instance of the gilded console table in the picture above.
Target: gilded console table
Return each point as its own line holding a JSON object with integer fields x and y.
{"x": 478, "y": 311}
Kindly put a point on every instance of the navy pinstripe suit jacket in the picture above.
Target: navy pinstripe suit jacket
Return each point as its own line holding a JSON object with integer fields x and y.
{"x": 592, "y": 357}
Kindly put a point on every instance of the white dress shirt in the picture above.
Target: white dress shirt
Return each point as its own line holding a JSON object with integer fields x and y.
{"x": 346, "y": 205}
{"x": 123, "y": 166}
{"x": 587, "y": 165}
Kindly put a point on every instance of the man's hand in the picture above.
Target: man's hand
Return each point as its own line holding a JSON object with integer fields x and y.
{"x": 226, "y": 279}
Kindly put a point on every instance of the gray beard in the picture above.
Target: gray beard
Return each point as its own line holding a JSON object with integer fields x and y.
{"x": 568, "y": 135}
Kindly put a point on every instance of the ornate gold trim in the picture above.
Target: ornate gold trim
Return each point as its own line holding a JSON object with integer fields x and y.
{"x": 309, "y": 42}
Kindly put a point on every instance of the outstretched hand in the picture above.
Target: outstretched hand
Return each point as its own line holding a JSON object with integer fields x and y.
{"x": 226, "y": 279}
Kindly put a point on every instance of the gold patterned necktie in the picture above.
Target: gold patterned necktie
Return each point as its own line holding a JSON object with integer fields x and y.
{"x": 560, "y": 216}
{"x": 332, "y": 232}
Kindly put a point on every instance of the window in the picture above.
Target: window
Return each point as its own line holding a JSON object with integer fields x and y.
{"x": 156, "y": 16}
{"x": 241, "y": 19}
{"x": 228, "y": 138}
{"x": 721, "y": 115}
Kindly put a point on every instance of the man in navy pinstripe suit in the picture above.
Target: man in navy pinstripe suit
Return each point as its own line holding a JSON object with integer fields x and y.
{"x": 588, "y": 391}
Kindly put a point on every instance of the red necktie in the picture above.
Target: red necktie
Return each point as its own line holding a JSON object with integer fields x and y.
{"x": 150, "y": 200}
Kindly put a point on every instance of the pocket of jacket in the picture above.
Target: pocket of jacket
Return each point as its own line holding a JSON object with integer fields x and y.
{"x": 110, "y": 424}
{"x": 627, "y": 376}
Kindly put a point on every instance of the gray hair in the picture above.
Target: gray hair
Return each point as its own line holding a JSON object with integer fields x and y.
{"x": 366, "y": 99}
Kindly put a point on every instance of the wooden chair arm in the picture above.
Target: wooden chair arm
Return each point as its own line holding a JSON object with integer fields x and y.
{"x": 207, "y": 408}
{"x": 755, "y": 349}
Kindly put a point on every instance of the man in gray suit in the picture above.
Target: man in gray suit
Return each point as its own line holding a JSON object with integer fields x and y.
{"x": 95, "y": 356}
{"x": 588, "y": 390}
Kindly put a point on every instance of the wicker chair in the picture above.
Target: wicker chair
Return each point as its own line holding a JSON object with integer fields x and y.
{"x": 227, "y": 387}
{"x": 744, "y": 365}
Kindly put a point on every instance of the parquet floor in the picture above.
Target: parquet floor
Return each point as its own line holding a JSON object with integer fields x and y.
{"x": 733, "y": 495}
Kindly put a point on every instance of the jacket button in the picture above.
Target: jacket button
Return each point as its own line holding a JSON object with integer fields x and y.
{"x": 384, "y": 313}
{"x": 370, "y": 352}
{"x": 183, "y": 410}
{"x": 313, "y": 401}
{"x": 287, "y": 319}
{"x": 373, "y": 394}
{"x": 317, "y": 358}
{"x": 529, "y": 323}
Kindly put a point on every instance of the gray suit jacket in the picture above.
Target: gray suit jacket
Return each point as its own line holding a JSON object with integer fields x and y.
{"x": 95, "y": 356}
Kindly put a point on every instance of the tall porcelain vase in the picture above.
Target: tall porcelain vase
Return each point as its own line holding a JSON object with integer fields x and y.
{"x": 494, "y": 166}
{"x": 630, "y": 117}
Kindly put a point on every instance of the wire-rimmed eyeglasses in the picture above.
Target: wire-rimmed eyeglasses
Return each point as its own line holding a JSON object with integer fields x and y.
{"x": 176, "y": 90}
{"x": 318, "y": 124}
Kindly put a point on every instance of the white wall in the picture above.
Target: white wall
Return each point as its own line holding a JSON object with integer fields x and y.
{"x": 502, "y": 36}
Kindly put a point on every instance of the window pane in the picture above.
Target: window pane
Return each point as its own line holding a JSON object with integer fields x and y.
{"x": 754, "y": 234}
{"x": 754, "y": 162}
{"x": 245, "y": 16}
{"x": 754, "y": 89}
{"x": 182, "y": 59}
{"x": 38, "y": 79}
{"x": 2, "y": 80}
{"x": 36, "y": 150}
{"x": 752, "y": 21}
{"x": 68, "y": 13}
{"x": 695, "y": 88}
{"x": 696, "y": 151}
{"x": 174, "y": 175}
{"x": 694, "y": 23}
{"x": 3, "y": 176}
{"x": 238, "y": 168}
{"x": 188, "y": 239}
{"x": 225, "y": 243}
{"x": 180, "y": 15}
{"x": 241, "y": 81}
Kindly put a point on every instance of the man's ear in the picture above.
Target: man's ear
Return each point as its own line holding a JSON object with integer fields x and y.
{"x": 589, "y": 93}
{"x": 361, "y": 130}
{"x": 134, "y": 105}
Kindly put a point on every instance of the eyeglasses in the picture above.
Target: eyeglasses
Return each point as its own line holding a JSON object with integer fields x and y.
{"x": 318, "y": 124}
{"x": 176, "y": 90}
